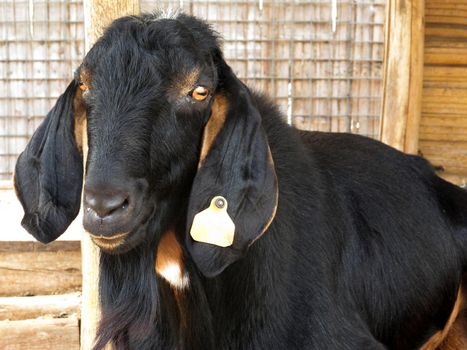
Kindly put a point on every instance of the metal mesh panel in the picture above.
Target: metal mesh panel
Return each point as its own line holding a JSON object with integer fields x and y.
{"x": 41, "y": 43}
{"x": 320, "y": 60}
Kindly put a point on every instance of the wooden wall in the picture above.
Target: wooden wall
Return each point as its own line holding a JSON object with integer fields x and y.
{"x": 443, "y": 125}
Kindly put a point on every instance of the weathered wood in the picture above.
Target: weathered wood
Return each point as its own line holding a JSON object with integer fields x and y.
{"x": 453, "y": 120}
{"x": 437, "y": 106}
{"x": 443, "y": 147}
{"x": 459, "y": 179}
{"x": 403, "y": 74}
{"x": 39, "y": 272}
{"x": 97, "y": 15}
{"x": 445, "y": 133}
{"x": 40, "y": 334}
{"x": 447, "y": 94}
{"x": 52, "y": 306}
{"x": 446, "y": 55}
{"x": 441, "y": 31}
{"x": 33, "y": 246}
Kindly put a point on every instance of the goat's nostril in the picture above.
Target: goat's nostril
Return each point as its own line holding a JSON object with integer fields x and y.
{"x": 125, "y": 204}
{"x": 104, "y": 204}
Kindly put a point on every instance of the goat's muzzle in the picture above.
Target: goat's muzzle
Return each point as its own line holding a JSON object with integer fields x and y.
{"x": 112, "y": 211}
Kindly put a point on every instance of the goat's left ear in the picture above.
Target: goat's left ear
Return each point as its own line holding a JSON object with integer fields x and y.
{"x": 235, "y": 163}
{"x": 49, "y": 172}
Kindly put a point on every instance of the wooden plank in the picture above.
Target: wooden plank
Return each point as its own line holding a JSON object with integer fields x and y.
{"x": 452, "y": 159}
{"x": 443, "y": 130}
{"x": 431, "y": 147}
{"x": 403, "y": 74}
{"x": 445, "y": 42}
{"x": 52, "y": 306}
{"x": 451, "y": 83}
{"x": 442, "y": 73}
{"x": 438, "y": 107}
{"x": 434, "y": 120}
{"x": 35, "y": 273}
{"x": 440, "y": 18}
{"x": 446, "y": 94}
{"x": 446, "y": 55}
{"x": 457, "y": 179}
{"x": 430, "y": 135}
{"x": 452, "y": 31}
{"x": 40, "y": 334}
{"x": 32, "y": 246}
{"x": 448, "y": 166}
{"x": 448, "y": 99}
{"x": 452, "y": 4}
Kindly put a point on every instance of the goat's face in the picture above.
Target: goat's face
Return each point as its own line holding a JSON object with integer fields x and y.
{"x": 148, "y": 93}
{"x": 169, "y": 127}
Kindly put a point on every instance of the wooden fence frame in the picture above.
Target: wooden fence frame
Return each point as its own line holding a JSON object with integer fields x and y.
{"x": 403, "y": 74}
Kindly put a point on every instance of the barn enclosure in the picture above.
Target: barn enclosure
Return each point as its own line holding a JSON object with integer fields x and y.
{"x": 392, "y": 70}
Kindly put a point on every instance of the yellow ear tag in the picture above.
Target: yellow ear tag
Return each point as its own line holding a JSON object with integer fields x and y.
{"x": 214, "y": 225}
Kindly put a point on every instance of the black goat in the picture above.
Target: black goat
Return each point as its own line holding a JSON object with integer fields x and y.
{"x": 340, "y": 242}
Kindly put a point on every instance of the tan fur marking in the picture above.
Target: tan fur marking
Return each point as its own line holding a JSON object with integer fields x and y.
{"x": 85, "y": 77}
{"x": 79, "y": 110}
{"x": 109, "y": 243}
{"x": 456, "y": 339}
{"x": 220, "y": 107}
{"x": 274, "y": 210}
{"x": 183, "y": 84}
{"x": 437, "y": 339}
{"x": 169, "y": 261}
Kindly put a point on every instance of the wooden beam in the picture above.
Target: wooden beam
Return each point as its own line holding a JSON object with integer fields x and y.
{"x": 40, "y": 334}
{"x": 33, "y": 273}
{"x": 52, "y": 306}
{"x": 98, "y": 14}
{"x": 403, "y": 74}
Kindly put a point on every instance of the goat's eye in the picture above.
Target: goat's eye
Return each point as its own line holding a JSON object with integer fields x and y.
{"x": 199, "y": 93}
{"x": 82, "y": 86}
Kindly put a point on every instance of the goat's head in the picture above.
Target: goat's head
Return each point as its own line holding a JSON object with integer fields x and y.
{"x": 169, "y": 127}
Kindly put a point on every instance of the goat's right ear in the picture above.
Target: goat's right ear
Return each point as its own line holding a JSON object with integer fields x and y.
{"x": 49, "y": 172}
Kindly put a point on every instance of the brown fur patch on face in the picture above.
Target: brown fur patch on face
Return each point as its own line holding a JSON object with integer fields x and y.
{"x": 220, "y": 107}
{"x": 169, "y": 261}
{"x": 85, "y": 77}
{"x": 440, "y": 338}
{"x": 274, "y": 210}
{"x": 79, "y": 109}
{"x": 184, "y": 83}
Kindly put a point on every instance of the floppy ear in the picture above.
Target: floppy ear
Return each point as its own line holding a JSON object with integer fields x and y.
{"x": 235, "y": 163}
{"x": 49, "y": 173}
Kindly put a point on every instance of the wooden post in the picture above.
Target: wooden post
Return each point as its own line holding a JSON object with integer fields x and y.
{"x": 403, "y": 74}
{"x": 97, "y": 15}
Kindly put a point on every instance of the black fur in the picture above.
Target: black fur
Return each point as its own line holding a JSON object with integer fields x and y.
{"x": 366, "y": 251}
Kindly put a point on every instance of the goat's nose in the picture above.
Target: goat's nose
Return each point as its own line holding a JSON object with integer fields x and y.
{"x": 106, "y": 204}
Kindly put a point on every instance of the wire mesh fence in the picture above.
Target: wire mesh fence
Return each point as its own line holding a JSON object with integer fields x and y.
{"x": 41, "y": 42}
{"x": 321, "y": 60}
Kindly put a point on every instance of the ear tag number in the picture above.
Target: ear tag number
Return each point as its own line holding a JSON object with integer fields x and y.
{"x": 214, "y": 225}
